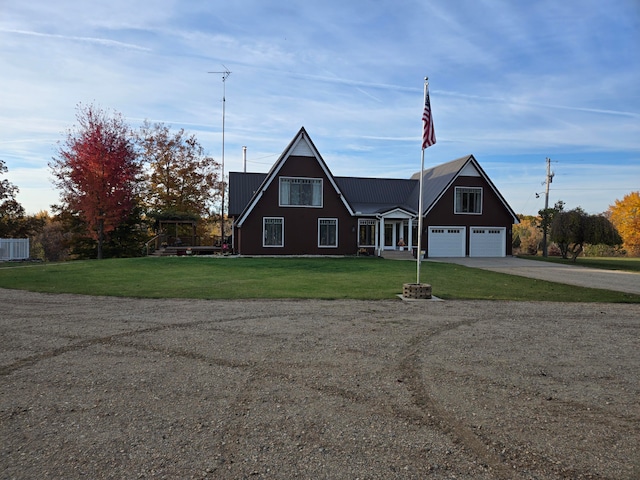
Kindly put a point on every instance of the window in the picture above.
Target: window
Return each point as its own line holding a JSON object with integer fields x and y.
{"x": 273, "y": 232}
{"x": 366, "y": 233}
{"x": 327, "y": 232}
{"x": 468, "y": 200}
{"x": 300, "y": 192}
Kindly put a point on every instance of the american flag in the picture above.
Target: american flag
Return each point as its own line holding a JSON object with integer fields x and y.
{"x": 428, "y": 133}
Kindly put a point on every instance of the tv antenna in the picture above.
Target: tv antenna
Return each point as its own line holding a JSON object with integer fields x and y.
{"x": 225, "y": 74}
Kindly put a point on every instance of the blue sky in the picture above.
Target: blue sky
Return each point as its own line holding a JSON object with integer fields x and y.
{"x": 511, "y": 83}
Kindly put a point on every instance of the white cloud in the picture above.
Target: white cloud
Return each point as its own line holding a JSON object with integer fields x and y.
{"x": 99, "y": 41}
{"x": 508, "y": 80}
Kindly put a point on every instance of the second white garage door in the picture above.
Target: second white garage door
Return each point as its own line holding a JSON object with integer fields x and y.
{"x": 487, "y": 242}
{"x": 446, "y": 242}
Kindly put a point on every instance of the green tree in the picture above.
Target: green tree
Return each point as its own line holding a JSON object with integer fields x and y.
{"x": 52, "y": 242}
{"x": 11, "y": 211}
{"x": 181, "y": 179}
{"x": 546, "y": 217}
{"x": 573, "y": 229}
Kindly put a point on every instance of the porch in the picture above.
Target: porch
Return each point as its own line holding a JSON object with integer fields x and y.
{"x": 394, "y": 231}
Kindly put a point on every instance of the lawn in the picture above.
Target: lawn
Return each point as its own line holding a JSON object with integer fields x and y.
{"x": 254, "y": 278}
{"x": 605, "y": 263}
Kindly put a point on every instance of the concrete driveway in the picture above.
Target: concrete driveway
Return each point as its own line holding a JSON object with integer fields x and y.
{"x": 568, "y": 274}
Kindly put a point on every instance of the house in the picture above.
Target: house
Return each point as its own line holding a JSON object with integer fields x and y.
{"x": 300, "y": 208}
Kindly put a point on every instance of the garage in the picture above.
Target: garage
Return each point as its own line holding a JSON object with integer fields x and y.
{"x": 446, "y": 242}
{"x": 487, "y": 242}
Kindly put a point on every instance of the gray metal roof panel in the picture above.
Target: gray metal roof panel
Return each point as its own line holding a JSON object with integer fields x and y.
{"x": 386, "y": 192}
{"x": 435, "y": 181}
{"x": 242, "y": 187}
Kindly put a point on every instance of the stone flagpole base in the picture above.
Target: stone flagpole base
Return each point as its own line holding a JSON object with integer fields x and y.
{"x": 416, "y": 291}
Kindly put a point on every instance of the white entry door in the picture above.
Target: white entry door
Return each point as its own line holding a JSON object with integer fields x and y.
{"x": 392, "y": 234}
{"x": 446, "y": 242}
{"x": 487, "y": 242}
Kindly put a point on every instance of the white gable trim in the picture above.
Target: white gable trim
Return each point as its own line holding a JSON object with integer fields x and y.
{"x": 302, "y": 149}
{"x": 397, "y": 213}
{"x": 301, "y": 145}
{"x": 469, "y": 171}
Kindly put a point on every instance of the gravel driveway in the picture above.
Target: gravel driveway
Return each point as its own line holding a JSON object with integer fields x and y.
{"x": 96, "y": 387}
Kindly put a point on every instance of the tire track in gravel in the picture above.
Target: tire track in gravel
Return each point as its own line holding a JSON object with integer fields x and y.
{"x": 435, "y": 414}
{"x": 113, "y": 339}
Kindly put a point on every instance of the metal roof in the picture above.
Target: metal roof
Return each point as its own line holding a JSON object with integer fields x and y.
{"x": 242, "y": 187}
{"x": 376, "y": 195}
{"x": 364, "y": 196}
{"x": 435, "y": 182}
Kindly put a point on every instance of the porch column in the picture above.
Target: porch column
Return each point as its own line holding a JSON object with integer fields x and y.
{"x": 381, "y": 244}
{"x": 410, "y": 242}
{"x": 376, "y": 235}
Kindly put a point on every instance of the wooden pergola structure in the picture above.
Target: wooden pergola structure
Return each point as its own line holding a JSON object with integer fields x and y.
{"x": 177, "y": 233}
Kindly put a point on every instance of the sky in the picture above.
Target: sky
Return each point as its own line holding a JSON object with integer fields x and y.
{"x": 511, "y": 82}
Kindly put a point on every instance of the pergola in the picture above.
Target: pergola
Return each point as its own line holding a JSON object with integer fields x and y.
{"x": 178, "y": 232}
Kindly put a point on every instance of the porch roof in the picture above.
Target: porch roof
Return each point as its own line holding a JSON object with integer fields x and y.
{"x": 370, "y": 196}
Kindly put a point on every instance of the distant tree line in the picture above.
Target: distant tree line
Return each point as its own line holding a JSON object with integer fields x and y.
{"x": 575, "y": 232}
{"x": 117, "y": 184}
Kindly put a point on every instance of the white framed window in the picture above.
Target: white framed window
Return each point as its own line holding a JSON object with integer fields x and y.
{"x": 300, "y": 192}
{"x": 468, "y": 200}
{"x": 327, "y": 232}
{"x": 366, "y": 233}
{"x": 273, "y": 232}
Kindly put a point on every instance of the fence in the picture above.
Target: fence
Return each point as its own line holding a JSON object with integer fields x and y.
{"x": 14, "y": 249}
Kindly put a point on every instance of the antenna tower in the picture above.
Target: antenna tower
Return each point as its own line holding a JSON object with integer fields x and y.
{"x": 225, "y": 74}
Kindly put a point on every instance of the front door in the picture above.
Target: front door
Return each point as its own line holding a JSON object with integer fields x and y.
{"x": 392, "y": 234}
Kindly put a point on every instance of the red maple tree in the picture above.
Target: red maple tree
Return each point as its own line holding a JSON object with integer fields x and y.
{"x": 96, "y": 171}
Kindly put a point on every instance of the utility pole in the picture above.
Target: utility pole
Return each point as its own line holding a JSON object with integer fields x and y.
{"x": 225, "y": 75}
{"x": 548, "y": 180}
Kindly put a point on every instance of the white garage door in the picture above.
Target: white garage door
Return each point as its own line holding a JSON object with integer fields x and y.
{"x": 487, "y": 242}
{"x": 446, "y": 242}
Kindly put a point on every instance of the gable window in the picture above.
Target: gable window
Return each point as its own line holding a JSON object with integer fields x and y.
{"x": 300, "y": 192}
{"x": 366, "y": 233}
{"x": 468, "y": 200}
{"x": 273, "y": 232}
{"x": 327, "y": 232}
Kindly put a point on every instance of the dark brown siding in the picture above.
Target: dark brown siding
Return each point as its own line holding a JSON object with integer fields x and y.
{"x": 494, "y": 214}
{"x": 300, "y": 223}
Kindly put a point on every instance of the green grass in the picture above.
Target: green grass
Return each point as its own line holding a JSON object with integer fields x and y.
{"x": 627, "y": 264}
{"x": 321, "y": 278}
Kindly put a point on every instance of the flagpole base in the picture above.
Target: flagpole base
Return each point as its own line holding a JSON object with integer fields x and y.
{"x": 416, "y": 291}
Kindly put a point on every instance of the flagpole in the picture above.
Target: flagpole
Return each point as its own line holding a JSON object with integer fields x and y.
{"x": 420, "y": 205}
